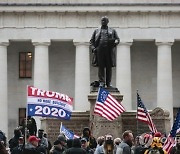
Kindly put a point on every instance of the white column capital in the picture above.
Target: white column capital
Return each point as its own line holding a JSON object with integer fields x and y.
{"x": 41, "y": 43}
{"x": 81, "y": 43}
{"x": 164, "y": 43}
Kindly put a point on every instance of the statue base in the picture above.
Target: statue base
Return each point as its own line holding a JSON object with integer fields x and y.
{"x": 110, "y": 89}
{"x": 99, "y": 125}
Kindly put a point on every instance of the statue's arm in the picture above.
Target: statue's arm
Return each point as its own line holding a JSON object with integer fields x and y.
{"x": 116, "y": 38}
{"x": 92, "y": 41}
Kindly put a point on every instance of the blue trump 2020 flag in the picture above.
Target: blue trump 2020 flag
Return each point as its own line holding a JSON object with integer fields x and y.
{"x": 69, "y": 134}
{"x": 48, "y": 104}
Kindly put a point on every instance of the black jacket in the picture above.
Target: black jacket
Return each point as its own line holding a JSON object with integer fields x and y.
{"x": 56, "y": 150}
{"x": 30, "y": 149}
{"x": 75, "y": 150}
{"x": 18, "y": 150}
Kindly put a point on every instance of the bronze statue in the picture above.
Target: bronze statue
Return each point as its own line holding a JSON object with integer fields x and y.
{"x": 103, "y": 45}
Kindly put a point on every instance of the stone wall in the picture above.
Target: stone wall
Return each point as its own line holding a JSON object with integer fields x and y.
{"x": 78, "y": 121}
{"x": 159, "y": 116}
{"x": 100, "y": 126}
{"x": 127, "y": 120}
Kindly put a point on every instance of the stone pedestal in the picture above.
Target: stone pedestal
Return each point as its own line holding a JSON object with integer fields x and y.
{"x": 159, "y": 116}
{"x": 99, "y": 125}
{"x": 76, "y": 124}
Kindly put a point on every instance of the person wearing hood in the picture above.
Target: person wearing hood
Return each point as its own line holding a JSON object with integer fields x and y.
{"x": 14, "y": 142}
{"x": 90, "y": 139}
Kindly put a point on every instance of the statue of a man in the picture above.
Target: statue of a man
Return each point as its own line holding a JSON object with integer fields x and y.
{"x": 103, "y": 45}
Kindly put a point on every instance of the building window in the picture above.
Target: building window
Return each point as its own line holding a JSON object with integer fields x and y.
{"x": 22, "y": 115}
{"x": 25, "y": 64}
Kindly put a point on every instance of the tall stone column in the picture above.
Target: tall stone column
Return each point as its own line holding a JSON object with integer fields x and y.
{"x": 164, "y": 77}
{"x": 41, "y": 69}
{"x": 3, "y": 87}
{"x": 123, "y": 73}
{"x": 82, "y": 76}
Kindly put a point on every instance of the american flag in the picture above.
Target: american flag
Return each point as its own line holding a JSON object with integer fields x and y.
{"x": 170, "y": 142}
{"x": 143, "y": 115}
{"x": 107, "y": 106}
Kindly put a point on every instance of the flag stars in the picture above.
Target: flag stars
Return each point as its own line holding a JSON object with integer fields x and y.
{"x": 30, "y": 109}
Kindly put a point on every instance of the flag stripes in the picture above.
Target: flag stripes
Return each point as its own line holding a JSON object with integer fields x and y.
{"x": 107, "y": 106}
{"x": 143, "y": 115}
{"x": 170, "y": 142}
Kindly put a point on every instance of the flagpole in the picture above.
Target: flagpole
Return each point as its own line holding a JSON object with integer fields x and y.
{"x": 25, "y": 134}
{"x": 137, "y": 123}
{"x": 60, "y": 127}
{"x": 92, "y": 122}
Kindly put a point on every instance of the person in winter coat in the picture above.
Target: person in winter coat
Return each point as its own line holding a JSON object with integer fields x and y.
{"x": 13, "y": 142}
{"x": 3, "y": 138}
{"x": 19, "y": 149}
{"x": 107, "y": 147}
{"x": 76, "y": 148}
{"x": 2, "y": 148}
{"x": 43, "y": 143}
{"x": 90, "y": 139}
{"x": 85, "y": 146}
{"x": 57, "y": 148}
{"x": 31, "y": 146}
{"x": 125, "y": 146}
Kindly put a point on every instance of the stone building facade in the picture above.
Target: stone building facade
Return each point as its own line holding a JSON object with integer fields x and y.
{"x": 57, "y": 34}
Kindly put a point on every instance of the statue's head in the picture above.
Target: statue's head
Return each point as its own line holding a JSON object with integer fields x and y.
{"x": 104, "y": 21}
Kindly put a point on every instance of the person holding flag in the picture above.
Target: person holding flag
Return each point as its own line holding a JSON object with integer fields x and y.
{"x": 91, "y": 141}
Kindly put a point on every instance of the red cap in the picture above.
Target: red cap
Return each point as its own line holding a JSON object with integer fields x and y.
{"x": 33, "y": 138}
{"x": 157, "y": 134}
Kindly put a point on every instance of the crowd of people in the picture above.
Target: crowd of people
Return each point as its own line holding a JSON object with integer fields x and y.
{"x": 147, "y": 143}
